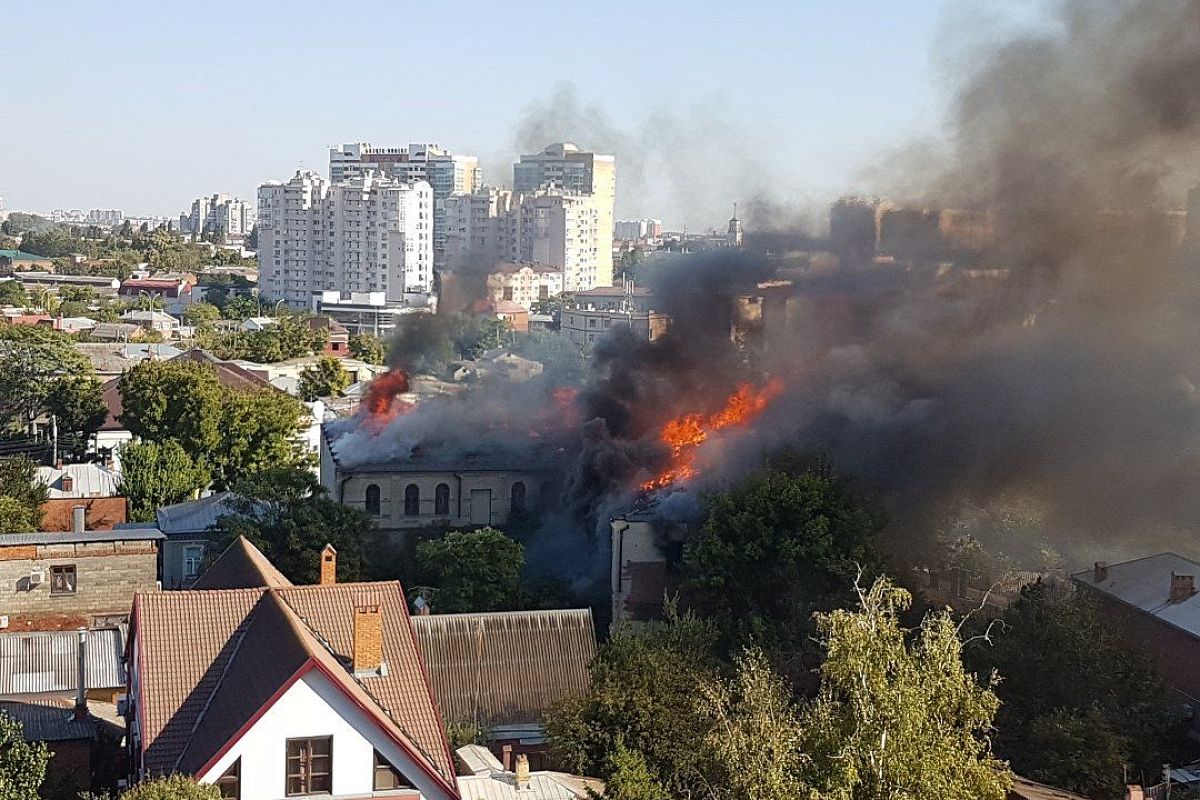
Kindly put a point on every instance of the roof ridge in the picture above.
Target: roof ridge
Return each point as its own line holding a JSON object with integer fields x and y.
{"x": 342, "y": 584}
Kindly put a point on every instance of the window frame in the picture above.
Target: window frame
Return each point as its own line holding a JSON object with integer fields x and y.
{"x": 412, "y": 500}
{"x": 233, "y": 776}
{"x": 64, "y": 569}
{"x": 381, "y": 764}
{"x": 515, "y": 505}
{"x": 441, "y": 499}
{"x": 373, "y": 499}
{"x": 305, "y": 773}
{"x": 199, "y": 560}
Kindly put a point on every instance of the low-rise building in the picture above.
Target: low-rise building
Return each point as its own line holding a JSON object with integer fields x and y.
{"x": 35, "y": 280}
{"x": 369, "y": 312}
{"x": 41, "y": 665}
{"x": 11, "y": 260}
{"x": 155, "y": 321}
{"x": 187, "y": 528}
{"x": 270, "y": 690}
{"x": 524, "y": 283}
{"x": 82, "y": 497}
{"x": 57, "y": 581}
{"x": 1154, "y": 603}
{"x": 517, "y": 316}
{"x": 593, "y": 313}
{"x": 471, "y": 660}
{"x": 489, "y": 778}
{"x": 480, "y": 488}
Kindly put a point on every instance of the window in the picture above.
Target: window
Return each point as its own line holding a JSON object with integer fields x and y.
{"x": 388, "y": 777}
{"x": 62, "y": 579}
{"x": 441, "y": 499}
{"x": 193, "y": 554}
{"x": 412, "y": 500}
{"x": 373, "y": 500}
{"x": 230, "y": 784}
{"x": 310, "y": 766}
{"x": 517, "y": 505}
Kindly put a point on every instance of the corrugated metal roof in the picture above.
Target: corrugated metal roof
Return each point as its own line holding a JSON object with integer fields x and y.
{"x": 68, "y": 537}
{"x": 194, "y": 516}
{"x": 1025, "y": 789}
{"x": 48, "y": 721}
{"x": 89, "y": 480}
{"x": 1145, "y": 584}
{"x": 506, "y": 667}
{"x": 542, "y": 786}
{"x": 37, "y": 662}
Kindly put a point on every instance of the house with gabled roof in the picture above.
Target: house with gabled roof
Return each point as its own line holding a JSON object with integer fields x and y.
{"x": 271, "y": 690}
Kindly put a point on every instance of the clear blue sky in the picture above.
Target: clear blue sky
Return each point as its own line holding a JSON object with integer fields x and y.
{"x": 143, "y": 105}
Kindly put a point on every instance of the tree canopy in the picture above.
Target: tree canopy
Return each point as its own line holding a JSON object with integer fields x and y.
{"x": 368, "y": 348}
{"x": 156, "y": 474}
{"x": 326, "y": 378}
{"x": 290, "y": 517}
{"x": 476, "y": 570}
{"x": 22, "y": 763}
{"x": 21, "y": 495}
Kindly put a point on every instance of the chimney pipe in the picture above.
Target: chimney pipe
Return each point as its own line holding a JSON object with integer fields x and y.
{"x": 522, "y": 771}
{"x": 1100, "y": 571}
{"x": 78, "y": 519}
{"x": 81, "y": 709}
{"x": 368, "y": 638}
{"x": 328, "y": 565}
{"x": 1182, "y": 587}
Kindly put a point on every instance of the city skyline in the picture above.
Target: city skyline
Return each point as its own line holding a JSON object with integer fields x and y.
{"x": 227, "y": 106}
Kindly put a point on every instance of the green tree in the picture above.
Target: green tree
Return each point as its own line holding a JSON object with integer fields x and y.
{"x": 258, "y": 431}
{"x": 157, "y": 474}
{"x": 12, "y": 293}
{"x": 76, "y": 294}
{"x": 290, "y": 517}
{"x": 200, "y": 314}
{"x": 1087, "y": 698}
{"x": 241, "y": 307}
{"x": 476, "y": 335}
{"x": 783, "y": 544}
{"x": 77, "y": 403}
{"x": 367, "y": 347}
{"x": 326, "y": 378}
{"x": 639, "y": 722}
{"x": 178, "y": 399}
{"x": 32, "y": 360}
{"x": 172, "y": 787}
{"x": 22, "y": 495}
{"x": 897, "y": 716}
{"x": 22, "y": 763}
{"x": 476, "y": 570}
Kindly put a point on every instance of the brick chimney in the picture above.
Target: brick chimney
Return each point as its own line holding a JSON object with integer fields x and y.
{"x": 1182, "y": 587}
{"x": 368, "y": 637}
{"x": 78, "y": 519}
{"x": 328, "y": 565}
{"x": 1100, "y": 571}
{"x": 522, "y": 771}
{"x": 1134, "y": 792}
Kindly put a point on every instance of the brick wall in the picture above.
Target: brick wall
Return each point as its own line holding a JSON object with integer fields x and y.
{"x": 107, "y": 575}
{"x": 1177, "y": 654}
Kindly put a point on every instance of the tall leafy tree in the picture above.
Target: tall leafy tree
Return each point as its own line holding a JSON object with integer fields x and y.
{"x": 258, "y": 431}
{"x": 32, "y": 360}
{"x": 172, "y": 787}
{"x": 1087, "y": 698}
{"x": 156, "y": 474}
{"x": 77, "y": 403}
{"x": 22, "y": 763}
{"x": 177, "y": 399}
{"x": 290, "y": 517}
{"x": 476, "y": 570}
{"x": 326, "y": 378}
{"x": 897, "y": 714}
{"x": 21, "y": 495}
{"x": 12, "y": 293}
{"x": 368, "y": 348}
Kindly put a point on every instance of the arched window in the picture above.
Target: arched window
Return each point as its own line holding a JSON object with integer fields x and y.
{"x": 372, "y": 499}
{"x": 412, "y": 500}
{"x": 441, "y": 500}
{"x": 517, "y": 504}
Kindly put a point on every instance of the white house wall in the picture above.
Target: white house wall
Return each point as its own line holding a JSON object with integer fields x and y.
{"x": 313, "y": 707}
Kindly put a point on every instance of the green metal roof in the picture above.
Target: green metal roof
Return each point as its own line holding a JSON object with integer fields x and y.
{"x": 17, "y": 255}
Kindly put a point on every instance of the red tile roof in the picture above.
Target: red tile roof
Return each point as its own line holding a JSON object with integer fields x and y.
{"x": 210, "y": 660}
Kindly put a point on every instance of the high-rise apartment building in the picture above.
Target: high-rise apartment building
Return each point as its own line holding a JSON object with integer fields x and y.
{"x": 447, "y": 173}
{"x": 548, "y": 226}
{"x": 634, "y": 229}
{"x": 219, "y": 215}
{"x": 369, "y": 233}
{"x": 564, "y": 167}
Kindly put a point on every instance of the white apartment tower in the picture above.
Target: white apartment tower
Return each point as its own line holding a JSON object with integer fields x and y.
{"x": 370, "y": 233}
{"x": 447, "y": 173}
{"x": 548, "y": 227}
{"x": 221, "y": 214}
{"x": 564, "y": 167}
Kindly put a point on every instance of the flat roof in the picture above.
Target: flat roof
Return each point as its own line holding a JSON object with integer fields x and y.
{"x": 69, "y": 537}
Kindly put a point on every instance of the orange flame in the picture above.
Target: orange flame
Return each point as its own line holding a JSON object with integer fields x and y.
{"x": 684, "y": 434}
{"x": 380, "y": 403}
